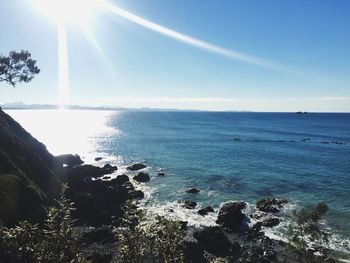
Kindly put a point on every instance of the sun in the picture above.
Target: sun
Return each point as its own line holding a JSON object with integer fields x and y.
{"x": 68, "y": 11}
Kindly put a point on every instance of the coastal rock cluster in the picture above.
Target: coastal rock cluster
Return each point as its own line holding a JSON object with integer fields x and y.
{"x": 31, "y": 178}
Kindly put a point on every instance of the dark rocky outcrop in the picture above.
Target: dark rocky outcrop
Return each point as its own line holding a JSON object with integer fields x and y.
{"x": 187, "y": 204}
{"x": 230, "y": 216}
{"x": 254, "y": 232}
{"x": 136, "y": 167}
{"x": 28, "y": 174}
{"x": 205, "y": 211}
{"x": 69, "y": 160}
{"x": 142, "y": 177}
{"x": 213, "y": 240}
{"x": 270, "y": 205}
{"x": 161, "y": 174}
{"x": 100, "y": 202}
{"x": 192, "y": 191}
{"x": 120, "y": 179}
{"x": 193, "y": 253}
{"x": 270, "y": 222}
{"x": 98, "y": 159}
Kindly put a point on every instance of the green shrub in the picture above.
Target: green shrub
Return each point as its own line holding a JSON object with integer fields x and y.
{"x": 154, "y": 242}
{"x": 305, "y": 228}
{"x": 51, "y": 243}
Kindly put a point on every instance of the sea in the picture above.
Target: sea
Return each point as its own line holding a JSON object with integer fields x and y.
{"x": 229, "y": 156}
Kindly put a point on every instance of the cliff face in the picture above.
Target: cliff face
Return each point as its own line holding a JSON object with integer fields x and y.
{"x": 28, "y": 174}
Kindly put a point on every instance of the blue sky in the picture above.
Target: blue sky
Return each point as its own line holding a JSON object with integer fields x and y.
{"x": 308, "y": 42}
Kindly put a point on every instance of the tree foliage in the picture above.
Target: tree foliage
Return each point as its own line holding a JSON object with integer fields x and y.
{"x": 141, "y": 241}
{"x": 306, "y": 230}
{"x": 17, "y": 67}
{"x": 51, "y": 243}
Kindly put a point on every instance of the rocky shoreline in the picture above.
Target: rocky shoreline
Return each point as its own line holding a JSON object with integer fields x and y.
{"x": 30, "y": 179}
{"x": 99, "y": 202}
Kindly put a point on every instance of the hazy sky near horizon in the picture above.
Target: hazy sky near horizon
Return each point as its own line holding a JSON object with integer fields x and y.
{"x": 232, "y": 55}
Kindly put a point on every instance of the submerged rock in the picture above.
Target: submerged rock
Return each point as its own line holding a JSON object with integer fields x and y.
{"x": 161, "y": 174}
{"x": 142, "y": 177}
{"x": 98, "y": 159}
{"x": 136, "y": 167}
{"x": 188, "y": 204}
{"x": 192, "y": 191}
{"x": 205, "y": 211}
{"x": 231, "y": 216}
{"x": 270, "y": 205}
{"x": 213, "y": 240}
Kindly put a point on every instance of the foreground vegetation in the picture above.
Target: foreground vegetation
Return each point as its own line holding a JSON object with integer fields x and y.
{"x": 138, "y": 239}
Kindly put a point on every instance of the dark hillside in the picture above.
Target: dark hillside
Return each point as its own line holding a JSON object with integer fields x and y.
{"x": 28, "y": 174}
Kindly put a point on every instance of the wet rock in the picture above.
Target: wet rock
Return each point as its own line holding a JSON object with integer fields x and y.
{"x": 188, "y": 204}
{"x": 98, "y": 159}
{"x": 262, "y": 249}
{"x": 136, "y": 194}
{"x": 136, "y": 167}
{"x": 89, "y": 171}
{"x": 270, "y": 205}
{"x": 192, "y": 191}
{"x": 142, "y": 177}
{"x": 270, "y": 222}
{"x": 320, "y": 210}
{"x": 231, "y": 216}
{"x": 213, "y": 240}
{"x": 205, "y": 211}
{"x": 69, "y": 160}
{"x": 161, "y": 174}
{"x": 120, "y": 179}
{"x": 183, "y": 225}
{"x": 254, "y": 232}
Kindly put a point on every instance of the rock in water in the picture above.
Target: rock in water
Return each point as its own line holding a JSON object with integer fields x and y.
{"x": 213, "y": 240}
{"x": 270, "y": 222}
{"x": 205, "y": 210}
{"x": 120, "y": 179}
{"x": 142, "y": 177}
{"x": 188, "y": 204}
{"x": 270, "y": 205}
{"x": 136, "y": 167}
{"x": 192, "y": 191}
{"x": 161, "y": 174}
{"x": 231, "y": 216}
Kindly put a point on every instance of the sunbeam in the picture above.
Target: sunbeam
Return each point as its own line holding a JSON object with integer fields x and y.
{"x": 190, "y": 40}
{"x": 63, "y": 75}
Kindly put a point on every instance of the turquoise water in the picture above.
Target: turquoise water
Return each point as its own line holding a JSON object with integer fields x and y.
{"x": 228, "y": 156}
{"x": 274, "y": 154}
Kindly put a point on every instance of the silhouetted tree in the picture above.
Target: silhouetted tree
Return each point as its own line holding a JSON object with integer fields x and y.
{"x": 17, "y": 67}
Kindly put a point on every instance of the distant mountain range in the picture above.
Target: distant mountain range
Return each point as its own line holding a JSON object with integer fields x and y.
{"x": 22, "y": 106}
